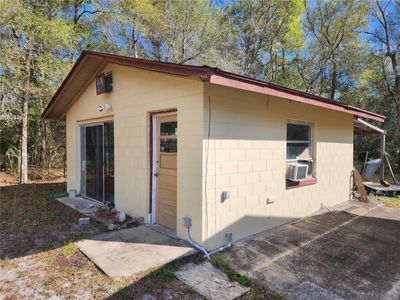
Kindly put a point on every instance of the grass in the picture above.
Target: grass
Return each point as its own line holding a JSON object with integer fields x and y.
{"x": 53, "y": 215}
{"x": 258, "y": 291}
{"x": 220, "y": 263}
{"x": 69, "y": 249}
{"x": 190, "y": 290}
{"x": 393, "y": 202}
{"x": 165, "y": 273}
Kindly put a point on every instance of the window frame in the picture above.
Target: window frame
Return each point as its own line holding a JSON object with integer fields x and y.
{"x": 311, "y": 179}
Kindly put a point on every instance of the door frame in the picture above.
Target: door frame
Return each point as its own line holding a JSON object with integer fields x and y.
{"x": 82, "y": 142}
{"x": 153, "y": 159}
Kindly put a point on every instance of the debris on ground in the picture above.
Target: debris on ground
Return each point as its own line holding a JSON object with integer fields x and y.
{"x": 114, "y": 219}
{"x": 30, "y": 222}
{"x": 62, "y": 261}
{"x": 84, "y": 221}
{"x": 102, "y": 213}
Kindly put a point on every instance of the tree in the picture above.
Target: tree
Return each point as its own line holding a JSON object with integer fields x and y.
{"x": 180, "y": 31}
{"x": 75, "y": 13}
{"x": 333, "y": 36}
{"x": 33, "y": 41}
{"x": 384, "y": 47}
{"x": 264, "y": 31}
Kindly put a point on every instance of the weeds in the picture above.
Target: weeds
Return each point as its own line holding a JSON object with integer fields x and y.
{"x": 53, "y": 215}
{"x": 165, "y": 273}
{"x": 190, "y": 290}
{"x": 68, "y": 249}
{"x": 257, "y": 291}
{"x": 390, "y": 201}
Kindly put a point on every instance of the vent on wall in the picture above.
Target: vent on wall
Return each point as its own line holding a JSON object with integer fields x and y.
{"x": 104, "y": 83}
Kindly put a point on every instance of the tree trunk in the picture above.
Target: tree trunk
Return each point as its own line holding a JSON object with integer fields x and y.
{"x": 134, "y": 40}
{"x": 334, "y": 78}
{"x": 25, "y": 109}
{"x": 74, "y": 24}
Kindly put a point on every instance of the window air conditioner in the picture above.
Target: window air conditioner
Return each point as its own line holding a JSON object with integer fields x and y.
{"x": 296, "y": 171}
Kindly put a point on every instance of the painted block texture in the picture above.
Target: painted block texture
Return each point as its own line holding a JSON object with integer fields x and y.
{"x": 228, "y": 140}
{"x": 244, "y": 146}
{"x": 135, "y": 94}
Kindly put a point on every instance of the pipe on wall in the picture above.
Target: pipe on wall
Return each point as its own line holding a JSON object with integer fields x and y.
{"x": 207, "y": 254}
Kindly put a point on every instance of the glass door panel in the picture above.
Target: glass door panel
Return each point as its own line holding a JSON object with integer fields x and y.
{"x": 109, "y": 162}
{"x": 93, "y": 162}
{"x": 98, "y": 161}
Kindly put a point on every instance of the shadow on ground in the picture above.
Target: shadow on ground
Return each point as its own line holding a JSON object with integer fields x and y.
{"x": 161, "y": 284}
{"x": 331, "y": 256}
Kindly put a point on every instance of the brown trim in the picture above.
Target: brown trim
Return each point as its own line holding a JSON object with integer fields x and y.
{"x": 295, "y": 184}
{"x": 212, "y": 75}
{"x": 84, "y": 87}
{"x": 203, "y": 72}
{"x": 151, "y": 150}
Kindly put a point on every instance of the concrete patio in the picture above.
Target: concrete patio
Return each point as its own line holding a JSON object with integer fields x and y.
{"x": 350, "y": 254}
{"x": 135, "y": 251}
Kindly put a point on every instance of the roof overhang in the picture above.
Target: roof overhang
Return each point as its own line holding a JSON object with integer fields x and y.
{"x": 91, "y": 63}
{"x": 362, "y": 127}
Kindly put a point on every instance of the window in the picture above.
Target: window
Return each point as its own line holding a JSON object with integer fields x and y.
{"x": 299, "y": 145}
{"x": 168, "y": 138}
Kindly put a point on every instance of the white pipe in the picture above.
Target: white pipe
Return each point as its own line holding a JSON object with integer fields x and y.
{"x": 221, "y": 248}
{"x": 207, "y": 254}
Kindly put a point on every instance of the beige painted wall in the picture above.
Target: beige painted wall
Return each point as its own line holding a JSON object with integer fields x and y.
{"x": 246, "y": 155}
{"x": 136, "y": 93}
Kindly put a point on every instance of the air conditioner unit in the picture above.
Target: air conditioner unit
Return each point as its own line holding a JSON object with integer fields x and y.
{"x": 296, "y": 171}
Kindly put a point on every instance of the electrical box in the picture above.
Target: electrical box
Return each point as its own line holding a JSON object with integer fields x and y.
{"x": 225, "y": 195}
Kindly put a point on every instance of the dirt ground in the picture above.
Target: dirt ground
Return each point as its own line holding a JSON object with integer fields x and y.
{"x": 39, "y": 176}
{"x": 39, "y": 259}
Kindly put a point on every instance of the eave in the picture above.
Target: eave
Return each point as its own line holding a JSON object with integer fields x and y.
{"x": 91, "y": 63}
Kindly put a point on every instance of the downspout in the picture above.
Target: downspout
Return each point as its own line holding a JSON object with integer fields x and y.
{"x": 207, "y": 254}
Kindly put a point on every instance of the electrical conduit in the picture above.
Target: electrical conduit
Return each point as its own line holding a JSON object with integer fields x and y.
{"x": 207, "y": 254}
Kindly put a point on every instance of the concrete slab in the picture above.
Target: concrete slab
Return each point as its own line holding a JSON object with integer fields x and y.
{"x": 84, "y": 206}
{"x": 210, "y": 282}
{"x": 308, "y": 290}
{"x": 331, "y": 256}
{"x": 133, "y": 251}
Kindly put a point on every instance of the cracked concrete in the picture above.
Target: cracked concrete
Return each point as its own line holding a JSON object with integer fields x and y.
{"x": 350, "y": 254}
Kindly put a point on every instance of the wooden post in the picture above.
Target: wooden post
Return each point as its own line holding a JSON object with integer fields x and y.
{"x": 390, "y": 168}
{"x": 382, "y": 167}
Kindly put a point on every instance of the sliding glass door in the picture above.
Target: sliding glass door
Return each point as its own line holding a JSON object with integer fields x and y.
{"x": 98, "y": 161}
{"x": 109, "y": 162}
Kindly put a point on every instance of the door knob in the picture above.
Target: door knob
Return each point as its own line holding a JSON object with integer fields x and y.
{"x": 156, "y": 174}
